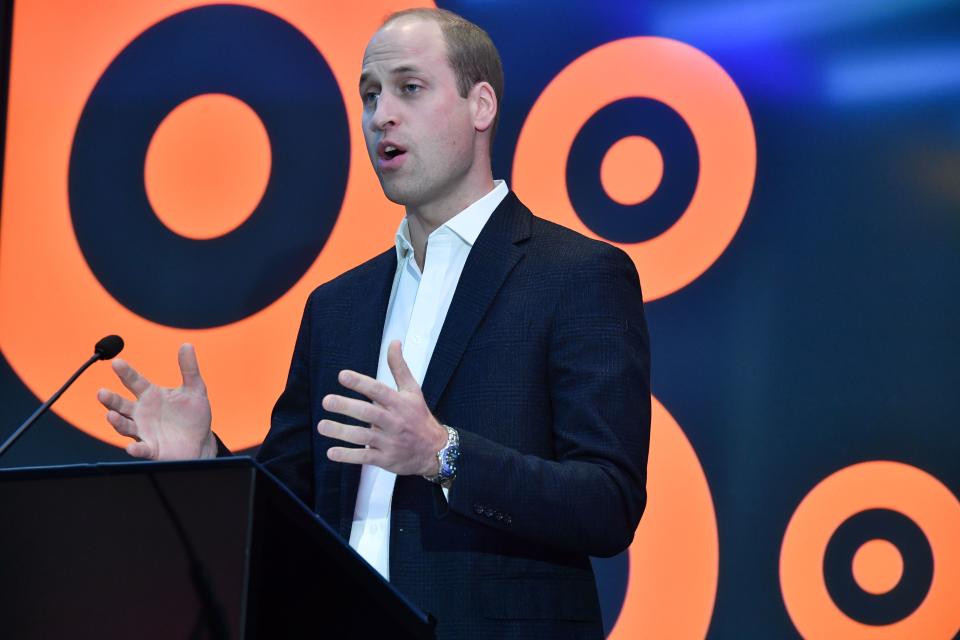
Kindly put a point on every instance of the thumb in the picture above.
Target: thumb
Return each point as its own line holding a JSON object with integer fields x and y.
{"x": 398, "y": 367}
{"x": 190, "y": 369}
{"x": 140, "y": 450}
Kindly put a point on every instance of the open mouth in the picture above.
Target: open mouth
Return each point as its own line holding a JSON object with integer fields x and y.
{"x": 389, "y": 151}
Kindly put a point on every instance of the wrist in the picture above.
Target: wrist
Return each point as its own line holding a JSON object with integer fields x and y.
{"x": 209, "y": 448}
{"x": 431, "y": 464}
{"x": 446, "y": 460}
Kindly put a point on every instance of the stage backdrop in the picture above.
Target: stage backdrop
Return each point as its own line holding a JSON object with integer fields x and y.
{"x": 786, "y": 176}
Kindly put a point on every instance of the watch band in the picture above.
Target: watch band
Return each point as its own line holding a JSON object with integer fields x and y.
{"x": 448, "y": 457}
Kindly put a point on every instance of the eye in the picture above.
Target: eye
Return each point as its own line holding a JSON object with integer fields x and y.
{"x": 369, "y": 98}
{"x": 411, "y": 88}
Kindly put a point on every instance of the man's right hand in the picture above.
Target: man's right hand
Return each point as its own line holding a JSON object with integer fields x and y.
{"x": 166, "y": 424}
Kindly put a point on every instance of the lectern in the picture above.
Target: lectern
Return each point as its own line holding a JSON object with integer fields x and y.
{"x": 195, "y": 549}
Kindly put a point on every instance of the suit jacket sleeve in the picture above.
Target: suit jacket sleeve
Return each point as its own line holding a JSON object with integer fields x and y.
{"x": 590, "y": 497}
{"x": 287, "y": 450}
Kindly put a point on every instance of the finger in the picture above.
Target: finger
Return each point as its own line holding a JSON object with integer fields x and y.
{"x": 370, "y": 387}
{"x": 398, "y": 367}
{"x": 360, "y": 409}
{"x": 140, "y": 450}
{"x": 348, "y": 433}
{"x": 115, "y": 401}
{"x": 190, "y": 369}
{"x": 132, "y": 380}
{"x": 124, "y": 425}
{"x": 350, "y": 455}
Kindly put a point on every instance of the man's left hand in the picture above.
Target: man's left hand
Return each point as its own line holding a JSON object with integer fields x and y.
{"x": 403, "y": 436}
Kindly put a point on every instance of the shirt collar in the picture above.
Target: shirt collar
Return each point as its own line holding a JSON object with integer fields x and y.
{"x": 467, "y": 224}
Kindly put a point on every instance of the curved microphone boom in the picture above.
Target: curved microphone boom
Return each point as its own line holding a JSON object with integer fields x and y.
{"x": 106, "y": 349}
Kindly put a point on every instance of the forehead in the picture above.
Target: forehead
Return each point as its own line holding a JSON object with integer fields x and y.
{"x": 407, "y": 41}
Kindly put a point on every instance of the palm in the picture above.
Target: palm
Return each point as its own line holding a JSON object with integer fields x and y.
{"x": 166, "y": 424}
{"x": 172, "y": 421}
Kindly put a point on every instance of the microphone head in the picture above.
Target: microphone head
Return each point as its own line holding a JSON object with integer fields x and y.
{"x": 108, "y": 347}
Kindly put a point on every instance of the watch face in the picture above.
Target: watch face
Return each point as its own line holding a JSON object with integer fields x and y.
{"x": 448, "y": 466}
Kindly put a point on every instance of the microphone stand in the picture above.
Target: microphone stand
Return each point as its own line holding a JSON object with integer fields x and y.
{"x": 46, "y": 405}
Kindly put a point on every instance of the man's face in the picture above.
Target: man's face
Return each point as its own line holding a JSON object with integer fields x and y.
{"x": 419, "y": 131}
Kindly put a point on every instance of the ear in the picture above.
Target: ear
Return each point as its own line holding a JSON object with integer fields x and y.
{"x": 483, "y": 105}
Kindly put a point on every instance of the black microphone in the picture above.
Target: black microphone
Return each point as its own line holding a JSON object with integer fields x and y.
{"x": 106, "y": 349}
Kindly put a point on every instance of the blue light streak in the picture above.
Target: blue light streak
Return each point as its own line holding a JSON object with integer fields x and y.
{"x": 924, "y": 72}
{"x": 735, "y": 24}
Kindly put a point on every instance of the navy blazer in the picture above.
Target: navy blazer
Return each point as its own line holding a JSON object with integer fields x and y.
{"x": 542, "y": 365}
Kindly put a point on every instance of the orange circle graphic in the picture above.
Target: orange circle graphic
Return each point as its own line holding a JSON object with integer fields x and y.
{"x": 207, "y": 166}
{"x": 871, "y": 485}
{"x": 696, "y": 87}
{"x": 631, "y": 170}
{"x": 52, "y": 307}
{"x": 675, "y": 556}
{"x": 877, "y": 566}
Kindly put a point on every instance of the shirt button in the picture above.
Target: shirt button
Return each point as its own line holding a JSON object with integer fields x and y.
{"x": 418, "y": 339}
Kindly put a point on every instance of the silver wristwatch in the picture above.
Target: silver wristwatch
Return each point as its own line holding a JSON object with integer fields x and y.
{"x": 447, "y": 457}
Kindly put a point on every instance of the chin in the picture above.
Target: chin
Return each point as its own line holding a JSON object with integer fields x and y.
{"x": 393, "y": 194}
{"x": 399, "y": 193}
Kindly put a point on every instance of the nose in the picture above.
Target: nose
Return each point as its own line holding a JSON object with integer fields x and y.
{"x": 385, "y": 114}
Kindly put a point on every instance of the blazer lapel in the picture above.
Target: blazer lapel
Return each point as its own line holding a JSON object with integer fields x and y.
{"x": 492, "y": 257}
{"x": 366, "y": 319}
{"x": 371, "y": 297}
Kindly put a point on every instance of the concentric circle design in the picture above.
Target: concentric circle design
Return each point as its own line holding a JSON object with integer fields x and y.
{"x": 692, "y": 85}
{"x": 673, "y": 179}
{"x": 891, "y": 501}
{"x": 224, "y": 49}
{"x": 915, "y": 576}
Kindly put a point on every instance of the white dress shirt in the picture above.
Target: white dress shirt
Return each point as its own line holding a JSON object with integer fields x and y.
{"x": 418, "y": 306}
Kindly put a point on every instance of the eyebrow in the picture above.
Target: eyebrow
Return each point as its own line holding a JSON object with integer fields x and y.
{"x": 402, "y": 69}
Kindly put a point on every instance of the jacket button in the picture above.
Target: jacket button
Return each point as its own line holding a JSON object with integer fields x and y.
{"x": 507, "y": 520}
{"x": 488, "y": 512}
{"x": 499, "y": 517}
{"x": 478, "y": 508}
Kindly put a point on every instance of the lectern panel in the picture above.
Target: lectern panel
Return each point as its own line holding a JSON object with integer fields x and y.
{"x": 97, "y": 555}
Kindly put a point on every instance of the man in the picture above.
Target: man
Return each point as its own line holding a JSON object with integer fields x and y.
{"x": 480, "y": 463}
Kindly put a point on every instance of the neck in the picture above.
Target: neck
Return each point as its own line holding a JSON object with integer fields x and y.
{"x": 422, "y": 220}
